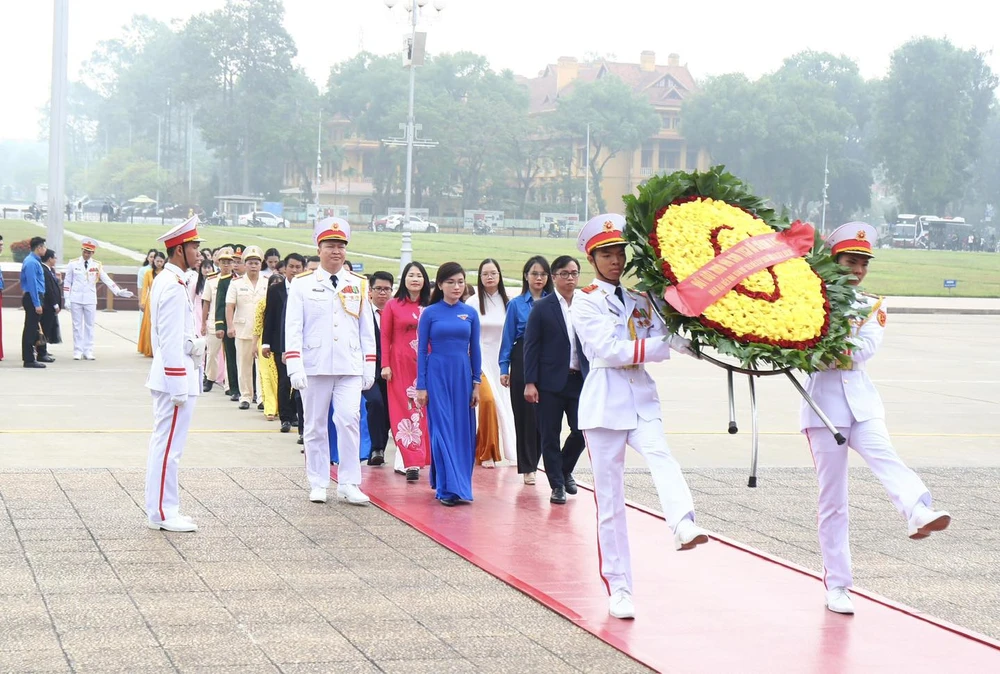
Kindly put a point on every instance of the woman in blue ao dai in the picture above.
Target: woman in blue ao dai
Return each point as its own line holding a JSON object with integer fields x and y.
{"x": 449, "y": 370}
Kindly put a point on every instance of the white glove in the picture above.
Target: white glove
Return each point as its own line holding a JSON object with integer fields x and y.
{"x": 367, "y": 382}
{"x": 298, "y": 380}
{"x": 179, "y": 399}
{"x": 683, "y": 345}
{"x": 198, "y": 347}
{"x": 126, "y": 294}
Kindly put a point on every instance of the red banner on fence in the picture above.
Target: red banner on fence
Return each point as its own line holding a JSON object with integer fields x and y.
{"x": 702, "y": 288}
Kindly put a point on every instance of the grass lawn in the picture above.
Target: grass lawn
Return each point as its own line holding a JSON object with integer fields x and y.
{"x": 18, "y": 230}
{"x": 894, "y": 272}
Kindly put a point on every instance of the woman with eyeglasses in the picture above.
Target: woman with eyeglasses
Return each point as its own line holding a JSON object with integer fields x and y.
{"x": 449, "y": 367}
{"x": 407, "y": 422}
{"x": 495, "y": 434}
{"x": 536, "y": 284}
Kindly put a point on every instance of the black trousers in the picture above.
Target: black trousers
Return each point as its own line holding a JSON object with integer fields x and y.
{"x": 32, "y": 330}
{"x": 286, "y": 406}
{"x": 232, "y": 375}
{"x": 377, "y": 406}
{"x": 524, "y": 414}
{"x": 560, "y": 462}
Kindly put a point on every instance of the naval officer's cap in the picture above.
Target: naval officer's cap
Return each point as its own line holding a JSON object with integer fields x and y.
{"x": 332, "y": 229}
{"x": 854, "y": 237}
{"x": 186, "y": 232}
{"x": 600, "y": 231}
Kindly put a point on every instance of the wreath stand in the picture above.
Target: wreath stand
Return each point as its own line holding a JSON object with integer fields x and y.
{"x": 751, "y": 373}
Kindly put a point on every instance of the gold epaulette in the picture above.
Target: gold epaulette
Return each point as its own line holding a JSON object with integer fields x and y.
{"x": 225, "y": 276}
{"x": 305, "y": 273}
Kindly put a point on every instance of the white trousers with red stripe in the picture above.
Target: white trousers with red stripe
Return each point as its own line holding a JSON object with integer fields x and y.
{"x": 166, "y": 444}
{"x": 607, "y": 458}
{"x": 871, "y": 440}
{"x": 344, "y": 391}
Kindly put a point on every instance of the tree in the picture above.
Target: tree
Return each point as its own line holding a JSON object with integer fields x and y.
{"x": 930, "y": 115}
{"x": 369, "y": 91}
{"x": 619, "y": 120}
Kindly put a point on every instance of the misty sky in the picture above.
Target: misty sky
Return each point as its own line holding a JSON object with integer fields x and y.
{"x": 522, "y": 35}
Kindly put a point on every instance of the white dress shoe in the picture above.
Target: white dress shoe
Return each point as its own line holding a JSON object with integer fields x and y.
{"x": 353, "y": 495}
{"x": 621, "y": 606}
{"x": 89, "y": 356}
{"x": 924, "y": 521}
{"x": 180, "y": 524}
{"x": 838, "y": 600}
{"x": 317, "y": 495}
{"x": 688, "y": 535}
{"x": 77, "y": 356}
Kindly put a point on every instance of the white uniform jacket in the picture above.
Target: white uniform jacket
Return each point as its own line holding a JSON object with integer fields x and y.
{"x": 173, "y": 371}
{"x": 848, "y": 395}
{"x": 329, "y": 331}
{"x": 80, "y": 284}
{"x": 617, "y": 340}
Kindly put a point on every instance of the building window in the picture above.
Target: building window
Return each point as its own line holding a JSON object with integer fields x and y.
{"x": 691, "y": 160}
{"x": 646, "y": 160}
{"x": 367, "y": 206}
{"x": 670, "y": 155}
{"x": 581, "y": 157}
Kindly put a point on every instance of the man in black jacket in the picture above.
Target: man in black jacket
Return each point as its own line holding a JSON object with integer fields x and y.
{"x": 272, "y": 339}
{"x": 51, "y": 307}
{"x": 377, "y": 397}
{"x": 553, "y": 377}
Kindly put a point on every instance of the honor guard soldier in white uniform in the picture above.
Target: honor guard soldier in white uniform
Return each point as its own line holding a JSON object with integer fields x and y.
{"x": 849, "y": 398}
{"x": 619, "y": 332}
{"x": 242, "y": 298}
{"x": 174, "y": 377}
{"x": 80, "y": 287}
{"x": 330, "y": 355}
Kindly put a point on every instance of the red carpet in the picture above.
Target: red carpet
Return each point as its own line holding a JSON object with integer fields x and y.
{"x": 719, "y": 608}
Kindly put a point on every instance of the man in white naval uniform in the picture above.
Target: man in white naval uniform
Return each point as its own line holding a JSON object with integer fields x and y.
{"x": 80, "y": 287}
{"x": 619, "y": 405}
{"x": 849, "y": 398}
{"x": 174, "y": 377}
{"x": 330, "y": 356}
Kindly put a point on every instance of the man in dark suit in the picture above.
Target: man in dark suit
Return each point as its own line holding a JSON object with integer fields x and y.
{"x": 272, "y": 338}
{"x": 553, "y": 377}
{"x": 377, "y": 397}
{"x": 53, "y": 305}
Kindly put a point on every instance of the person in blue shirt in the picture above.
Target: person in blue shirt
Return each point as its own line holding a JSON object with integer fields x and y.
{"x": 33, "y": 285}
{"x": 449, "y": 372}
{"x": 536, "y": 283}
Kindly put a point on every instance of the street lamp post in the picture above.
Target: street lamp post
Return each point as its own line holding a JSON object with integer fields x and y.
{"x": 57, "y": 125}
{"x": 826, "y": 185}
{"x": 412, "y": 6}
{"x": 159, "y": 135}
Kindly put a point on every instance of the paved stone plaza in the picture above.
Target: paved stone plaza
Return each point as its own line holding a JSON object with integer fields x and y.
{"x": 274, "y": 583}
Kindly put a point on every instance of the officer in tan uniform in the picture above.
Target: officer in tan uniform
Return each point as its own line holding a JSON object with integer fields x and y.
{"x": 330, "y": 355}
{"x": 849, "y": 398}
{"x": 241, "y": 309}
{"x": 224, "y": 261}
{"x": 619, "y": 332}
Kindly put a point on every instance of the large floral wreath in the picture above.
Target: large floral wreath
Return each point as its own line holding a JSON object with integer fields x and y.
{"x": 793, "y": 314}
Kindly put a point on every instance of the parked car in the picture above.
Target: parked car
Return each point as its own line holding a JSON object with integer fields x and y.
{"x": 261, "y": 219}
{"x": 395, "y": 223}
{"x": 97, "y": 204}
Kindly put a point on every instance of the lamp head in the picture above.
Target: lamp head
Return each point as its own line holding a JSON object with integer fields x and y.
{"x": 421, "y": 3}
{"x": 390, "y": 3}
{"x": 439, "y": 5}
